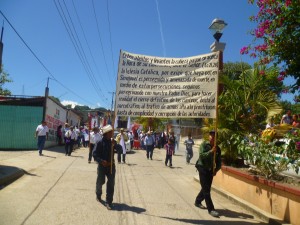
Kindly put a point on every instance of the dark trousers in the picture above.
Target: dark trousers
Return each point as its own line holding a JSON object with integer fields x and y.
{"x": 110, "y": 184}
{"x": 149, "y": 149}
{"x": 189, "y": 155}
{"x": 91, "y": 147}
{"x": 206, "y": 178}
{"x": 123, "y": 156}
{"x": 168, "y": 159}
{"x": 69, "y": 147}
{"x": 41, "y": 143}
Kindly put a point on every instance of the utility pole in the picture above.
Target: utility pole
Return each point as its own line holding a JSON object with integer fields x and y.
{"x": 111, "y": 109}
{"x": 1, "y": 47}
{"x": 45, "y": 100}
{"x": 112, "y": 100}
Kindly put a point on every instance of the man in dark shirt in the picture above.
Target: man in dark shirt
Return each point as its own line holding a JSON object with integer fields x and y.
{"x": 208, "y": 165}
{"x": 104, "y": 155}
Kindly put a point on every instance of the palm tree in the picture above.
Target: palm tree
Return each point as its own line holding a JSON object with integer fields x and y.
{"x": 243, "y": 108}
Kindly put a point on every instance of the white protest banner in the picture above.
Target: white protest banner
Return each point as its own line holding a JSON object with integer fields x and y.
{"x": 151, "y": 86}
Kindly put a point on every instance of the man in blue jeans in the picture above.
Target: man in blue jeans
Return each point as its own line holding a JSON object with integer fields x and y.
{"x": 149, "y": 142}
{"x": 41, "y": 133}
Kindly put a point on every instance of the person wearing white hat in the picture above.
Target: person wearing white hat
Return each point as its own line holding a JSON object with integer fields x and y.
{"x": 95, "y": 138}
{"x": 149, "y": 143}
{"x": 121, "y": 139}
{"x": 104, "y": 156}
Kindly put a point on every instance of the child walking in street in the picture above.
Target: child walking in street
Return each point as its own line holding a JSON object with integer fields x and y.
{"x": 169, "y": 152}
{"x": 189, "y": 148}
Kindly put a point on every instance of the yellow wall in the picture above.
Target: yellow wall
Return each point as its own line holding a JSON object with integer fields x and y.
{"x": 278, "y": 202}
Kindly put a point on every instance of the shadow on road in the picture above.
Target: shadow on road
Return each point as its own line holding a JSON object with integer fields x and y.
{"x": 29, "y": 174}
{"x": 175, "y": 167}
{"x": 131, "y": 164}
{"x": 125, "y": 207}
{"x": 76, "y": 156}
{"x": 210, "y": 222}
{"x": 232, "y": 214}
{"x": 53, "y": 157}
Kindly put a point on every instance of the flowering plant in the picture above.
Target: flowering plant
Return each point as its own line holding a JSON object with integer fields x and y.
{"x": 273, "y": 157}
{"x": 277, "y": 37}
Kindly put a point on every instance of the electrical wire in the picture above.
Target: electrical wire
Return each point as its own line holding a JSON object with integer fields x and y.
{"x": 99, "y": 35}
{"x": 78, "y": 48}
{"x": 111, "y": 48}
{"x": 78, "y": 18}
{"x": 43, "y": 65}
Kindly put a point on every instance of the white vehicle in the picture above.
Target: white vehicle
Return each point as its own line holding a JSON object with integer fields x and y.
{"x": 127, "y": 143}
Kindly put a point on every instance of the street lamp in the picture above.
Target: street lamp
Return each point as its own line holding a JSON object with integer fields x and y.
{"x": 217, "y": 26}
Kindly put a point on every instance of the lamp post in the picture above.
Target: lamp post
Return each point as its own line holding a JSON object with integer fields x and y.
{"x": 217, "y": 26}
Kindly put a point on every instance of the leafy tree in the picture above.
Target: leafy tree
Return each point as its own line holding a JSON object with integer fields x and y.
{"x": 277, "y": 37}
{"x": 4, "y": 79}
{"x": 154, "y": 123}
{"x": 243, "y": 108}
{"x": 234, "y": 70}
{"x": 81, "y": 107}
{"x": 100, "y": 109}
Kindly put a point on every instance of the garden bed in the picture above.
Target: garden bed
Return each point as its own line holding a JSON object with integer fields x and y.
{"x": 280, "y": 199}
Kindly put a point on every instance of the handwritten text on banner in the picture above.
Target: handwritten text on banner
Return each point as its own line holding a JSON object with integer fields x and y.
{"x": 150, "y": 86}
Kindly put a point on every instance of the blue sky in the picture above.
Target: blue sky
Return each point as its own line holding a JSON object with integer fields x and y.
{"x": 164, "y": 28}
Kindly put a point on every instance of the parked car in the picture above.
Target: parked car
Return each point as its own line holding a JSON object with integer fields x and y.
{"x": 127, "y": 143}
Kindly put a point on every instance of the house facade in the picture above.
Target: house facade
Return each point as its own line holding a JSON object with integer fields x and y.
{"x": 20, "y": 115}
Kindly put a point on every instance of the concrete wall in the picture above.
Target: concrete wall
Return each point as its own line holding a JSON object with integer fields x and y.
{"x": 280, "y": 200}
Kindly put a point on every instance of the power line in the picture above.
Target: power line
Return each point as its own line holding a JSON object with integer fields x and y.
{"x": 112, "y": 54}
{"x": 78, "y": 48}
{"x": 87, "y": 43}
{"x": 85, "y": 60}
{"x": 99, "y": 35}
{"x": 48, "y": 71}
{"x": 27, "y": 45}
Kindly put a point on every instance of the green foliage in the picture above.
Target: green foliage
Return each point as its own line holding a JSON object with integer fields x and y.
{"x": 277, "y": 37}
{"x": 269, "y": 158}
{"x": 4, "y": 78}
{"x": 155, "y": 124}
{"x": 81, "y": 107}
{"x": 234, "y": 70}
{"x": 244, "y": 106}
{"x": 100, "y": 109}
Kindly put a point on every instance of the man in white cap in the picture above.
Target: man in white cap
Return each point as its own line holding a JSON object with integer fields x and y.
{"x": 121, "y": 139}
{"x": 149, "y": 143}
{"x": 104, "y": 155}
{"x": 95, "y": 138}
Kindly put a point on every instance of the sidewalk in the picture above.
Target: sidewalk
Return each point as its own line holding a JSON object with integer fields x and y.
{"x": 14, "y": 164}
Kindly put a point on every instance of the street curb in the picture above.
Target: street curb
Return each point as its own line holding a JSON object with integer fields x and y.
{"x": 11, "y": 174}
{"x": 266, "y": 217}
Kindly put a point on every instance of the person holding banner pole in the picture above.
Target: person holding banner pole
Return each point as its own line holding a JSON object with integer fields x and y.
{"x": 104, "y": 155}
{"x": 208, "y": 164}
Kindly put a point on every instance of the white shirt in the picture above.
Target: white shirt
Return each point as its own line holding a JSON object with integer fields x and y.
{"x": 122, "y": 143}
{"x": 71, "y": 134}
{"x": 42, "y": 130}
{"x": 95, "y": 138}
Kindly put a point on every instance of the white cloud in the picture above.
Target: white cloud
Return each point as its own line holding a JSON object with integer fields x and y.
{"x": 68, "y": 102}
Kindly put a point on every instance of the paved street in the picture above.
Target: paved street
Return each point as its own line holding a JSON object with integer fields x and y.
{"x": 58, "y": 189}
